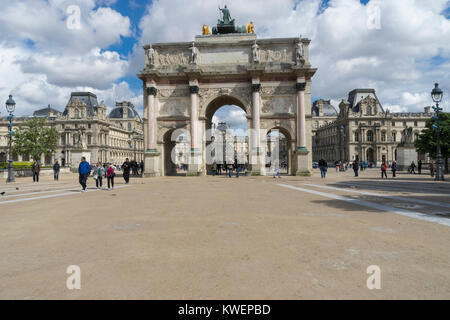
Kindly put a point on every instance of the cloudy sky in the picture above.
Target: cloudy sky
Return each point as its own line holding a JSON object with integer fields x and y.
{"x": 398, "y": 47}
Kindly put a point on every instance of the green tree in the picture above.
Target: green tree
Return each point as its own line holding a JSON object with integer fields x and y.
{"x": 32, "y": 137}
{"x": 426, "y": 143}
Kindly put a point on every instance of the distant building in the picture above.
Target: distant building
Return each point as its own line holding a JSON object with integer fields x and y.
{"x": 362, "y": 129}
{"x": 85, "y": 129}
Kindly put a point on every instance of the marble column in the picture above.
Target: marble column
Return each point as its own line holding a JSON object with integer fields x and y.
{"x": 195, "y": 165}
{"x": 301, "y": 122}
{"x": 256, "y": 152}
{"x": 152, "y": 156}
{"x": 194, "y": 117}
{"x": 303, "y": 166}
{"x": 151, "y": 121}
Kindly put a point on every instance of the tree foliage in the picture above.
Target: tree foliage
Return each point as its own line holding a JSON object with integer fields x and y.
{"x": 32, "y": 137}
{"x": 427, "y": 143}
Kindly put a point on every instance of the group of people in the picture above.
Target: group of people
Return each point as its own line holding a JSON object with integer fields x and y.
{"x": 100, "y": 171}
{"x": 216, "y": 168}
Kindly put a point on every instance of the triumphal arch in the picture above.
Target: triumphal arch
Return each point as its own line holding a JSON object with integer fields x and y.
{"x": 184, "y": 83}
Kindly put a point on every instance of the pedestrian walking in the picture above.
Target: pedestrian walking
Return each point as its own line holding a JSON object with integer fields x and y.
{"x": 110, "y": 173}
{"x": 383, "y": 170}
{"x": 276, "y": 169}
{"x": 323, "y": 166}
{"x": 394, "y": 168}
{"x": 355, "y": 166}
{"x": 230, "y": 170}
{"x": 56, "y": 168}
{"x": 98, "y": 175}
{"x": 35, "y": 169}
{"x": 83, "y": 171}
{"x": 126, "y": 170}
{"x": 141, "y": 167}
{"x": 214, "y": 168}
{"x": 419, "y": 166}
{"x": 412, "y": 168}
{"x": 432, "y": 169}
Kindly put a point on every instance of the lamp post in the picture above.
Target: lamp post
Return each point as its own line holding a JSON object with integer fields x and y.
{"x": 436, "y": 95}
{"x": 10, "y": 106}
{"x": 133, "y": 138}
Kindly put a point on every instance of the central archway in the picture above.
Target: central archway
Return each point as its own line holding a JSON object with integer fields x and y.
{"x": 226, "y": 116}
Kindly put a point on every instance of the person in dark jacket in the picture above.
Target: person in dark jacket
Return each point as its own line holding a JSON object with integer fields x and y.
{"x": 323, "y": 166}
{"x": 355, "y": 167}
{"x": 126, "y": 166}
{"x": 56, "y": 168}
{"x": 419, "y": 166}
{"x": 83, "y": 170}
{"x": 35, "y": 168}
{"x": 394, "y": 169}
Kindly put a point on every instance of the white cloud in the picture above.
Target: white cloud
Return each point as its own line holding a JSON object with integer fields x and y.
{"x": 42, "y": 61}
{"x": 394, "y": 59}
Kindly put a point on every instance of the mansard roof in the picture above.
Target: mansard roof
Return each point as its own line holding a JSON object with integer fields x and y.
{"x": 88, "y": 98}
{"x": 123, "y": 110}
{"x": 45, "y": 112}
{"x": 356, "y": 95}
{"x": 328, "y": 109}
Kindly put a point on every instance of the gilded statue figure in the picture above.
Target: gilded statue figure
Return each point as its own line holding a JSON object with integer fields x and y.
{"x": 250, "y": 27}
{"x": 206, "y": 30}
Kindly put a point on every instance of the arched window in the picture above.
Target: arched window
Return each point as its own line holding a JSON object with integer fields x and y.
{"x": 129, "y": 126}
{"x": 369, "y": 110}
{"x": 356, "y": 136}
{"x": 394, "y": 136}
{"x": 77, "y": 113}
{"x": 370, "y": 136}
{"x": 383, "y": 136}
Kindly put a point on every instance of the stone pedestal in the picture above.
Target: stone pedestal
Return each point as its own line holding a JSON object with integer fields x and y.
{"x": 257, "y": 162}
{"x": 406, "y": 155}
{"x": 303, "y": 165}
{"x": 151, "y": 163}
{"x": 196, "y": 166}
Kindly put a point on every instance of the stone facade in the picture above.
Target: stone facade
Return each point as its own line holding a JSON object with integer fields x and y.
{"x": 183, "y": 93}
{"x": 85, "y": 129}
{"x": 364, "y": 130}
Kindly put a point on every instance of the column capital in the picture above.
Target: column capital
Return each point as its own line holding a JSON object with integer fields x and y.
{"x": 151, "y": 91}
{"x": 193, "y": 89}
{"x": 256, "y": 87}
{"x": 300, "y": 86}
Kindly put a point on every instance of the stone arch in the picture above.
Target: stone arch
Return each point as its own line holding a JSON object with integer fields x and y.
{"x": 216, "y": 103}
{"x": 169, "y": 139}
{"x": 289, "y": 146}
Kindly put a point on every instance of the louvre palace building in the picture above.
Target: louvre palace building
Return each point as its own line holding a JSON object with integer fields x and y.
{"x": 360, "y": 128}
{"x": 85, "y": 129}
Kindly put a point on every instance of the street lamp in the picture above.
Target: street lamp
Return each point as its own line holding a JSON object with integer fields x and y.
{"x": 10, "y": 106}
{"x": 133, "y": 138}
{"x": 436, "y": 95}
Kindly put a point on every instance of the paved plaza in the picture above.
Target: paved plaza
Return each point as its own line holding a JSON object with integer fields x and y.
{"x": 220, "y": 238}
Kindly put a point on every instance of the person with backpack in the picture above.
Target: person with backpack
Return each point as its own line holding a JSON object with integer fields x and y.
{"x": 110, "y": 176}
{"x": 35, "y": 168}
{"x": 383, "y": 170}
